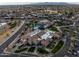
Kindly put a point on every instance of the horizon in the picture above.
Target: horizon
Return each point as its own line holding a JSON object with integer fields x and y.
{"x": 21, "y": 2}
{"x": 27, "y": 3}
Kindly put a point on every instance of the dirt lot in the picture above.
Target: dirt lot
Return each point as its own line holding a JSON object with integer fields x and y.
{"x": 5, "y": 34}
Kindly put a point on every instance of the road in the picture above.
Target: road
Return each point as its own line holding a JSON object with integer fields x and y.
{"x": 12, "y": 37}
{"x": 18, "y": 55}
{"x": 66, "y": 46}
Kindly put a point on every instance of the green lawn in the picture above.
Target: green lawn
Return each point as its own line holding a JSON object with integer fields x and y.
{"x": 31, "y": 49}
{"x": 60, "y": 23}
{"x": 57, "y": 47}
{"x": 42, "y": 51}
{"x": 21, "y": 50}
{"x": 33, "y": 24}
{"x": 12, "y": 24}
{"x": 54, "y": 29}
{"x": 66, "y": 29}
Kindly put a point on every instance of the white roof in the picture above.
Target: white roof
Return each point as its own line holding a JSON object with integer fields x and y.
{"x": 2, "y": 24}
{"x": 39, "y": 39}
{"x": 47, "y": 35}
{"x": 35, "y": 32}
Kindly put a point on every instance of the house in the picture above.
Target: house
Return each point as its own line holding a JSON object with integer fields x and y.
{"x": 2, "y": 27}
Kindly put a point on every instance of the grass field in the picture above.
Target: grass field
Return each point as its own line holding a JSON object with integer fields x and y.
{"x": 58, "y": 47}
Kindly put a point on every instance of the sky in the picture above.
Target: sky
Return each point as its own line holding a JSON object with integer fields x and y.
{"x": 18, "y": 2}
